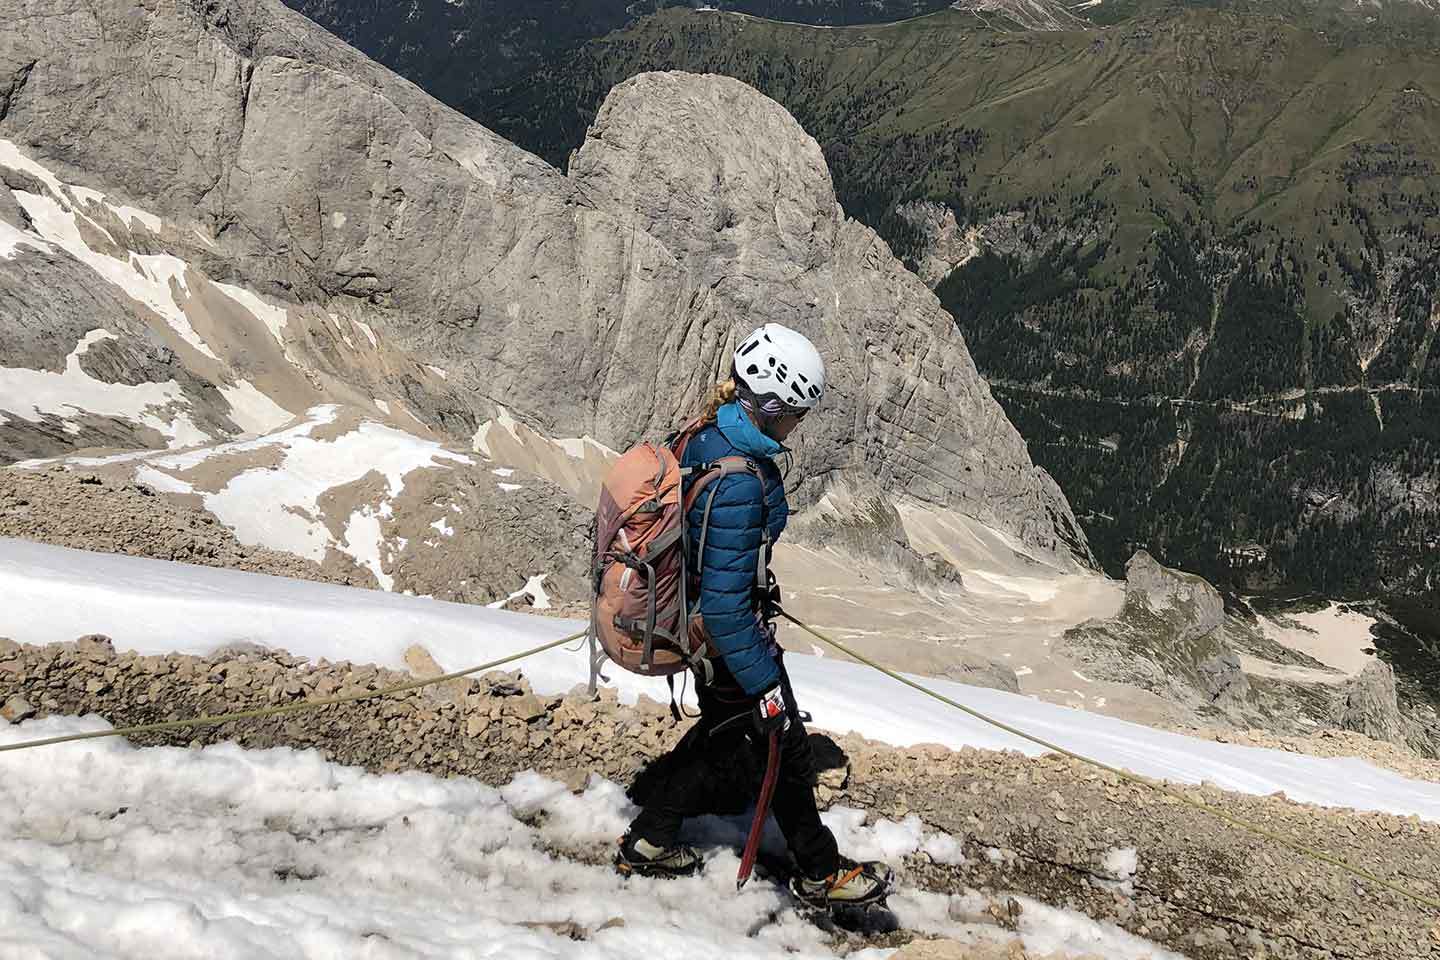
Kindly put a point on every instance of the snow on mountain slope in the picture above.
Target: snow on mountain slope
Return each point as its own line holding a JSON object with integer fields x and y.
{"x": 1028, "y": 14}
{"x": 155, "y": 607}
{"x": 224, "y": 852}
{"x": 338, "y": 486}
{"x": 162, "y": 346}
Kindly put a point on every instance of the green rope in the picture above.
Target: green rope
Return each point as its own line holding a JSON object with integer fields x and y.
{"x": 211, "y": 721}
{"x": 1126, "y": 775}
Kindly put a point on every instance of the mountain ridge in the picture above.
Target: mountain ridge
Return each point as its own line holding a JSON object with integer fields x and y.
{"x": 355, "y": 202}
{"x": 1158, "y": 225}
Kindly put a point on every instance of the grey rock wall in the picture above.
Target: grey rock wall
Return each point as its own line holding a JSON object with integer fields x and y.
{"x": 603, "y": 303}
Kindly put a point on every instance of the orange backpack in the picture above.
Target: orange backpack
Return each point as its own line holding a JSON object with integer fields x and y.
{"x": 643, "y": 583}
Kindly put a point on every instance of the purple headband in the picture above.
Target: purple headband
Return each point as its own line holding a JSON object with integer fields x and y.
{"x": 770, "y": 406}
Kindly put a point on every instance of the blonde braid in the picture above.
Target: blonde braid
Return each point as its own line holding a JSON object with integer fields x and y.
{"x": 723, "y": 393}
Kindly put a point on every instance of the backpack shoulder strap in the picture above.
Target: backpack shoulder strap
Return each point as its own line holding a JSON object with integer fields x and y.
{"x": 707, "y": 475}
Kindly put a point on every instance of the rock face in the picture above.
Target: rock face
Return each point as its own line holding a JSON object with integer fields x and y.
{"x": 1168, "y": 638}
{"x": 279, "y": 159}
{"x": 944, "y": 245}
{"x": 1369, "y": 703}
{"x": 739, "y": 195}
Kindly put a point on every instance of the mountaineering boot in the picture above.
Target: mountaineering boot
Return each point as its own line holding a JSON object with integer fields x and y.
{"x": 852, "y": 884}
{"x": 640, "y": 857}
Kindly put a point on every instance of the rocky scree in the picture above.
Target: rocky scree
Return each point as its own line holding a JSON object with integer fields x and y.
{"x": 1042, "y": 827}
{"x": 87, "y": 511}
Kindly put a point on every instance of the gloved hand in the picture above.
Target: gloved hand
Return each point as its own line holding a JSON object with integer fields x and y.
{"x": 770, "y": 600}
{"x": 770, "y": 714}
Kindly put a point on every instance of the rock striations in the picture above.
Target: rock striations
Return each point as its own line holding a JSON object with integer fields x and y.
{"x": 277, "y": 159}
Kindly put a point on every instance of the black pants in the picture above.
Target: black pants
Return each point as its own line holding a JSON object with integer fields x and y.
{"x": 718, "y": 767}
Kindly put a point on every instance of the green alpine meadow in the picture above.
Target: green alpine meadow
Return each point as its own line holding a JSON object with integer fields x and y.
{"x": 1193, "y": 248}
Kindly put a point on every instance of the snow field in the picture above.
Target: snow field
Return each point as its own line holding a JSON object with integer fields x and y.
{"x": 156, "y": 607}
{"x": 154, "y": 280}
{"x": 281, "y": 508}
{"x": 222, "y": 852}
{"x": 32, "y": 394}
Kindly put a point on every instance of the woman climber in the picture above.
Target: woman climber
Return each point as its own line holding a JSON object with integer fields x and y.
{"x": 776, "y": 379}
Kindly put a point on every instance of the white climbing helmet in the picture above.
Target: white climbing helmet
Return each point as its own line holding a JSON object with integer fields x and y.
{"x": 781, "y": 369}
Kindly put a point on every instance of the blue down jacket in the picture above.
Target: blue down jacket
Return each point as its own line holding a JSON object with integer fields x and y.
{"x": 727, "y": 571}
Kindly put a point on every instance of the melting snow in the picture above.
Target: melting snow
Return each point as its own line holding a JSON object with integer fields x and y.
{"x": 281, "y": 509}
{"x": 573, "y": 447}
{"x": 152, "y": 606}
{"x": 274, "y": 318}
{"x": 534, "y": 589}
{"x": 253, "y": 411}
{"x": 163, "y": 482}
{"x": 146, "y": 279}
{"x": 31, "y": 394}
{"x": 369, "y": 333}
{"x": 13, "y": 238}
{"x": 203, "y": 855}
{"x": 363, "y": 537}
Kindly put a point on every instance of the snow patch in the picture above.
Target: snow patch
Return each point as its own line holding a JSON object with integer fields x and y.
{"x": 363, "y": 537}
{"x": 437, "y": 371}
{"x": 943, "y": 848}
{"x": 369, "y": 333}
{"x": 161, "y": 481}
{"x": 32, "y": 394}
{"x": 13, "y": 238}
{"x": 509, "y": 487}
{"x": 1119, "y": 867}
{"x": 147, "y": 279}
{"x": 275, "y": 318}
{"x": 534, "y": 589}
{"x": 253, "y": 411}
{"x": 443, "y": 526}
{"x": 280, "y": 508}
{"x": 503, "y": 472}
{"x": 154, "y": 607}
{"x": 381, "y": 405}
{"x": 204, "y": 857}
{"x": 573, "y": 447}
